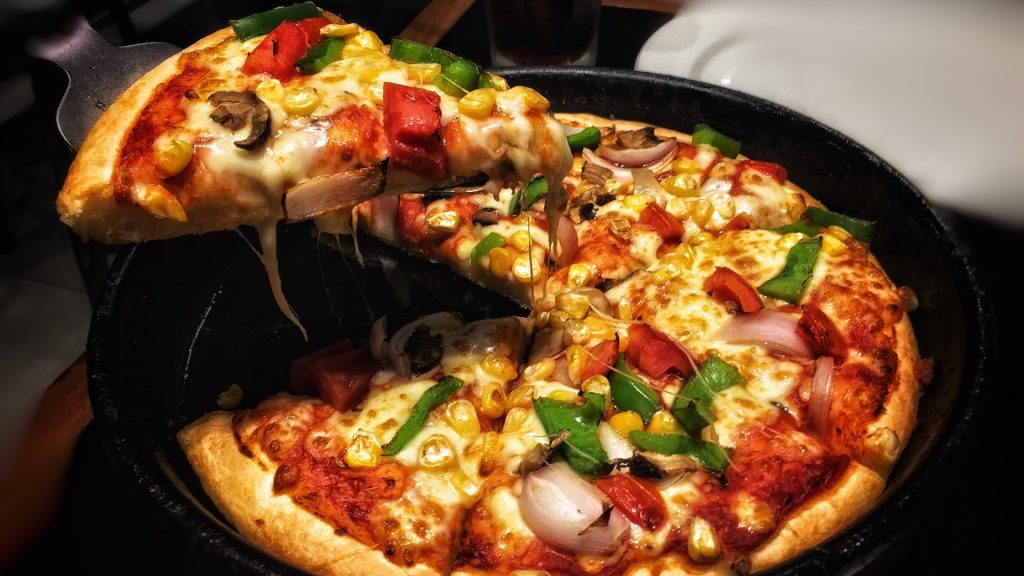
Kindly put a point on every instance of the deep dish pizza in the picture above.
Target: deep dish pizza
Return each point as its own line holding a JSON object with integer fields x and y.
{"x": 716, "y": 376}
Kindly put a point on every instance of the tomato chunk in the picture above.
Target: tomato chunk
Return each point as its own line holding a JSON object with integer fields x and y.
{"x": 821, "y": 333}
{"x": 412, "y": 123}
{"x": 344, "y": 380}
{"x": 301, "y": 372}
{"x": 666, "y": 225}
{"x": 654, "y": 353}
{"x": 277, "y": 54}
{"x": 728, "y": 286}
{"x": 602, "y": 356}
{"x": 770, "y": 169}
{"x": 637, "y": 499}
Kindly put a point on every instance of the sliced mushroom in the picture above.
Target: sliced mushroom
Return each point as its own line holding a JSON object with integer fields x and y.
{"x": 326, "y": 194}
{"x": 424, "y": 349}
{"x": 642, "y": 138}
{"x": 596, "y": 174}
{"x": 233, "y": 110}
{"x": 487, "y": 217}
{"x": 537, "y": 457}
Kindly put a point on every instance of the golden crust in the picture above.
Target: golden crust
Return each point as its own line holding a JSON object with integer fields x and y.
{"x": 243, "y": 492}
{"x": 86, "y": 203}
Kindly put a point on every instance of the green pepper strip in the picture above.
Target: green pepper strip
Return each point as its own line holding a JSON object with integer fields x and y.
{"x": 263, "y": 22}
{"x": 801, "y": 226}
{"x": 582, "y": 450}
{"x": 704, "y": 134}
{"x": 710, "y": 455}
{"x": 862, "y": 230}
{"x": 458, "y": 77}
{"x": 431, "y": 399}
{"x": 319, "y": 56}
{"x": 535, "y": 190}
{"x": 789, "y": 284}
{"x": 631, "y": 393}
{"x": 692, "y": 406}
{"x": 589, "y": 137}
{"x": 416, "y": 53}
{"x": 483, "y": 247}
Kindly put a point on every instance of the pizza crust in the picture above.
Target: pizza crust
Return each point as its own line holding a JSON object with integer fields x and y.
{"x": 243, "y": 492}
{"x": 86, "y": 203}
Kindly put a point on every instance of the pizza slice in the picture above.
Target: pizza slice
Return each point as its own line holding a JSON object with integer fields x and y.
{"x": 295, "y": 114}
{"x": 376, "y": 474}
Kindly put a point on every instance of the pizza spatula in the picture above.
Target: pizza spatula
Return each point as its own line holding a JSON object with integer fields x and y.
{"x": 98, "y": 72}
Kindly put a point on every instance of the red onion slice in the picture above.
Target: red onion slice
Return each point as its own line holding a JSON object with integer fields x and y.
{"x": 820, "y": 402}
{"x": 616, "y": 446}
{"x": 623, "y": 175}
{"x": 558, "y": 505}
{"x": 378, "y": 332}
{"x": 770, "y": 329}
{"x": 635, "y": 157}
{"x": 570, "y": 130}
{"x": 568, "y": 242}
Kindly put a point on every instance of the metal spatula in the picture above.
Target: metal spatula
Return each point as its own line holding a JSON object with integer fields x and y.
{"x": 98, "y": 72}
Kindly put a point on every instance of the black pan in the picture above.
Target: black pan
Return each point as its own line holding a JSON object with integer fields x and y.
{"x": 181, "y": 320}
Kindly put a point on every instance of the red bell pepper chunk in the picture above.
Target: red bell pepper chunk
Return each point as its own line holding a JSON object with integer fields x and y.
{"x": 312, "y": 26}
{"x": 277, "y": 54}
{"x": 740, "y": 221}
{"x": 637, "y": 499}
{"x": 821, "y": 333}
{"x": 728, "y": 286}
{"x": 344, "y": 380}
{"x": 666, "y": 225}
{"x": 602, "y": 356}
{"x": 654, "y": 353}
{"x": 770, "y": 169}
{"x": 412, "y": 124}
{"x": 301, "y": 372}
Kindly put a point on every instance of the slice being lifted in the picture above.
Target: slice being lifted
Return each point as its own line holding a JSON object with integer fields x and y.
{"x": 294, "y": 114}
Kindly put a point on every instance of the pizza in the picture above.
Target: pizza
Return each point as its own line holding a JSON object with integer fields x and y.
{"x": 716, "y": 375}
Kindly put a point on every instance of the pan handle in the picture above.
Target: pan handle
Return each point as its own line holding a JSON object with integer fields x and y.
{"x": 98, "y": 72}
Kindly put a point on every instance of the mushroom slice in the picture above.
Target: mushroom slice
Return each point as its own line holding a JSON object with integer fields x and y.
{"x": 233, "y": 110}
{"x": 325, "y": 194}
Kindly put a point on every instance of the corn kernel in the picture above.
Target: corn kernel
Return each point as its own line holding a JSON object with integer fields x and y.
{"x": 447, "y": 221}
{"x": 599, "y": 328}
{"x": 340, "y": 30}
{"x": 530, "y": 98}
{"x": 423, "y": 72}
{"x": 702, "y": 238}
{"x": 365, "y": 39}
{"x": 831, "y": 245}
{"x": 579, "y": 275}
{"x": 626, "y": 422}
{"x": 787, "y": 241}
{"x": 499, "y": 82}
{"x": 159, "y": 202}
{"x": 437, "y": 452}
{"x": 270, "y": 90}
{"x": 461, "y": 417}
{"x": 492, "y": 400}
{"x": 564, "y": 396}
{"x": 700, "y": 211}
{"x": 501, "y": 260}
{"x": 661, "y": 277}
{"x": 703, "y": 543}
{"x": 523, "y": 270}
{"x": 489, "y": 445}
{"x": 499, "y": 366}
{"x": 684, "y": 165}
{"x": 577, "y": 358}
{"x": 515, "y": 419}
{"x": 521, "y": 397}
{"x": 172, "y": 157}
{"x": 576, "y": 332}
{"x": 364, "y": 452}
{"x": 478, "y": 104}
{"x": 301, "y": 101}
{"x": 625, "y": 309}
{"x": 663, "y": 422}
{"x": 754, "y": 515}
{"x": 541, "y": 319}
{"x": 574, "y": 304}
{"x": 684, "y": 255}
{"x": 521, "y": 240}
{"x": 597, "y": 384}
{"x": 841, "y": 234}
{"x": 683, "y": 185}
{"x": 637, "y": 202}
{"x": 724, "y": 205}
{"x": 558, "y": 318}
{"x": 539, "y": 370}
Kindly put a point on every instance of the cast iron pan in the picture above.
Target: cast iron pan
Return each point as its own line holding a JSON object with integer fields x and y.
{"x": 181, "y": 320}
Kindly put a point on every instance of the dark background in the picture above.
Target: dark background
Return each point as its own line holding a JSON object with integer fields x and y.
{"x": 105, "y": 524}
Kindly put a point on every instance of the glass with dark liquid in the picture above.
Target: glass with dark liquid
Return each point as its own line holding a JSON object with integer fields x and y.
{"x": 531, "y": 32}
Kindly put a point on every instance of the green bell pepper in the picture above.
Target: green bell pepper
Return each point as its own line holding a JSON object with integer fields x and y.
{"x": 802, "y": 226}
{"x": 458, "y": 77}
{"x": 629, "y": 392}
{"x": 692, "y": 406}
{"x": 535, "y": 190}
{"x": 263, "y": 22}
{"x": 862, "y": 230}
{"x": 789, "y": 284}
{"x": 704, "y": 134}
{"x": 582, "y": 449}
{"x": 319, "y": 56}
{"x": 483, "y": 247}
{"x": 430, "y": 399}
{"x": 712, "y": 456}
{"x": 587, "y": 138}
{"x": 416, "y": 53}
